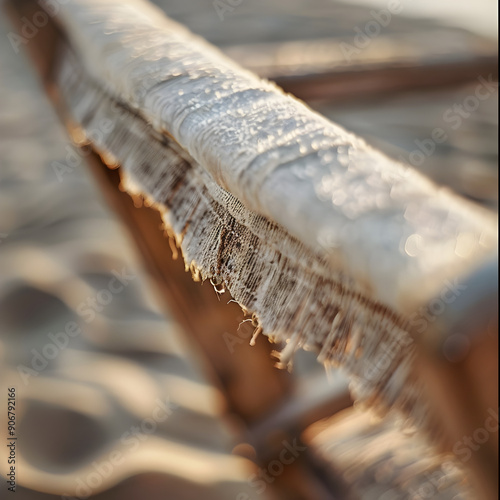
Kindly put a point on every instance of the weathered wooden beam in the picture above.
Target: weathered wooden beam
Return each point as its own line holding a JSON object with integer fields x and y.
{"x": 334, "y": 246}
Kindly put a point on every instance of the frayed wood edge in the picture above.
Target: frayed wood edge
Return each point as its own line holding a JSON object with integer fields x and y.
{"x": 332, "y": 317}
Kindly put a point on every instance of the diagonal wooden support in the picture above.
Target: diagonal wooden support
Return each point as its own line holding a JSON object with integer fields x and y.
{"x": 458, "y": 361}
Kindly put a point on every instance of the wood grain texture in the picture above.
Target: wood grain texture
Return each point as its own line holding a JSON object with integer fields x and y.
{"x": 330, "y": 243}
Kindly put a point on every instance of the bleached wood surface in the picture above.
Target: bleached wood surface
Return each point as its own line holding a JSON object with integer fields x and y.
{"x": 333, "y": 245}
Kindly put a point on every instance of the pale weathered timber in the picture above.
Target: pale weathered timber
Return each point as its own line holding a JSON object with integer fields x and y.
{"x": 333, "y": 246}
